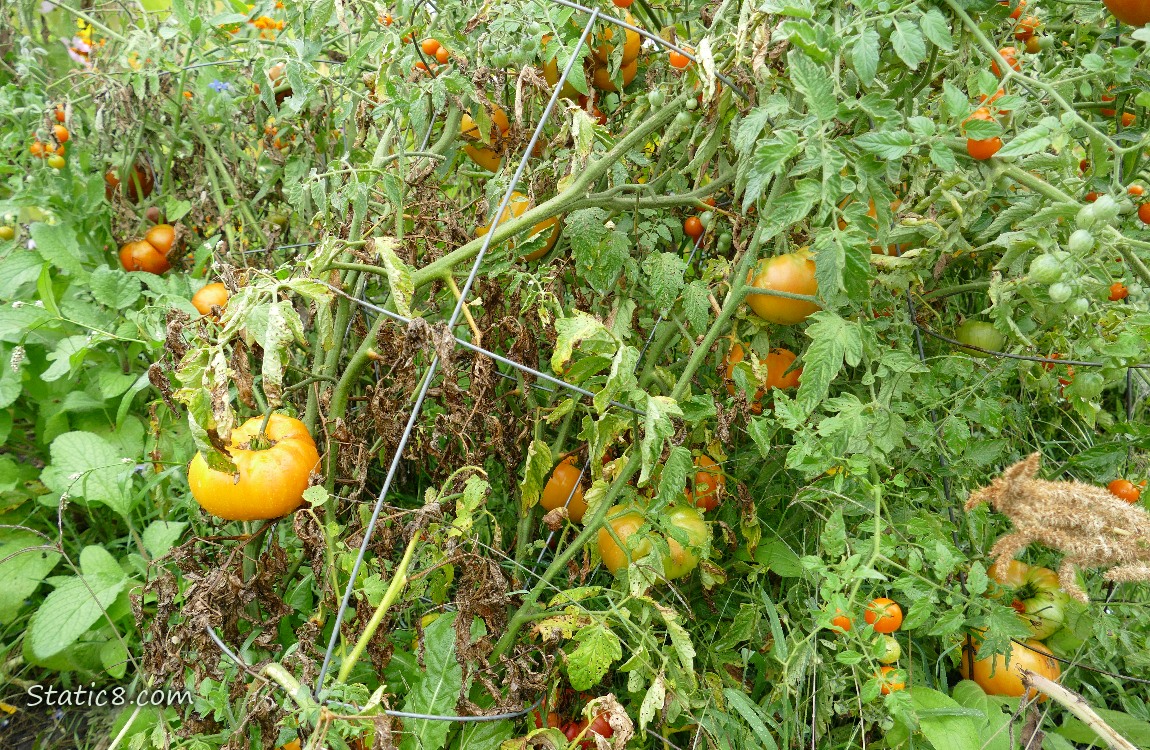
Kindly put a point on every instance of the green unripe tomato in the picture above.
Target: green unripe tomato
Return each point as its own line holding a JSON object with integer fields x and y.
{"x": 1079, "y": 306}
{"x": 1081, "y": 241}
{"x": 706, "y": 218}
{"x": 1060, "y": 292}
{"x": 1045, "y": 269}
{"x": 1086, "y": 217}
{"x": 682, "y": 120}
{"x": 1106, "y": 208}
{"x": 1045, "y": 41}
{"x": 656, "y": 98}
{"x": 692, "y": 105}
{"x": 1126, "y": 207}
{"x": 981, "y": 334}
{"x": 891, "y": 650}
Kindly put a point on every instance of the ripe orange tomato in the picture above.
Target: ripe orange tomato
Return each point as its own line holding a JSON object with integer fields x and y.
{"x": 709, "y": 484}
{"x": 1010, "y": 55}
{"x": 1135, "y": 189}
{"x": 487, "y": 157}
{"x": 563, "y": 484}
{"x": 1144, "y": 213}
{"x": 442, "y": 55}
{"x": 678, "y": 60}
{"x": 734, "y": 357}
{"x": 1017, "y": 9}
{"x": 794, "y": 273}
{"x": 143, "y": 256}
{"x": 625, "y": 521}
{"x": 429, "y": 46}
{"x": 212, "y": 295}
{"x": 60, "y": 114}
{"x": 893, "y": 680}
{"x": 631, "y": 42}
{"x": 1026, "y": 28}
{"x": 777, "y": 362}
{"x": 1125, "y": 489}
{"x": 622, "y": 3}
{"x": 387, "y": 19}
{"x": 161, "y": 237}
{"x": 516, "y": 207}
{"x": 37, "y": 148}
{"x": 994, "y": 675}
{"x": 984, "y": 148}
{"x": 1132, "y": 12}
{"x": 269, "y": 481}
{"x": 884, "y": 614}
{"x": 840, "y": 620}
{"x": 61, "y": 133}
{"x": 1118, "y": 291}
{"x": 601, "y": 77}
{"x": 981, "y": 113}
{"x": 693, "y": 227}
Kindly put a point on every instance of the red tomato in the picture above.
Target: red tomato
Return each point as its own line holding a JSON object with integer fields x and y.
{"x": 1144, "y": 213}
{"x": 693, "y": 227}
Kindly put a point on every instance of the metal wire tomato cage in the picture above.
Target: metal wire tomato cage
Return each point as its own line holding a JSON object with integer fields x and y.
{"x": 594, "y": 16}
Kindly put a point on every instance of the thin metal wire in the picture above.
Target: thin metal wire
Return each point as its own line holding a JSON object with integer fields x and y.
{"x": 434, "y": 364}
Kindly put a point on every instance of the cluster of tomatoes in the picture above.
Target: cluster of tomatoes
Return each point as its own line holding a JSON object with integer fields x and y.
{"x": 52, "y": 148}
{"x": 1036, "y": 595}
{"x": 149, "y": 254}
{"x": 885, "y": 617}
{"x": 574, "y": 729}
{"x": 433, "y": 49}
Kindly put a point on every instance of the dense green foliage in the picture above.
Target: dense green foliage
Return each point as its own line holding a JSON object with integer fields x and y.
{"x": 309, "y": 164}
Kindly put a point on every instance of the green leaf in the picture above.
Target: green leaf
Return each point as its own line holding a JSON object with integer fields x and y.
{"x": 114, "y": 289}
{"x": 161, "y": 536}
{"x": 569, "y": 332}
{"x": 752, "y": 714}
{"x": 76, "y": 604}
{"x": 88, "y": 466}
{"x": 1032, "y": 140}
{"x": 436, "y": 691}
{"x": 950, "y": 730}
{"x": 834, "y": 342}
{"x": 22, "y": 571}
{"x": 657, "y": 427}
{"x": 664, "y": 278}
{"x": 890, "y": 144}
{"x": 598, "y": 648}
{"x": 1134, "y": 729}
{"x": 398, "y": 274}
{"x": 834, "y": 536}
{"x": 864, "y": 55}
{"x": 908, "y": 43}
{"x": 675, "y": 473}
{"x": 59, "y": 246}
{"x": 697, "y": 305}
{"x": 814, "y": 83}
{"x": 937, "y": 29}
{"x": 535, "y": 470}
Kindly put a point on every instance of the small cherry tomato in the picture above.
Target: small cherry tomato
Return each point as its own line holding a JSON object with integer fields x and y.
{"x": 892, "y": 679}
{"x": 61, "y": 133}
{"x": 1118, "y": 291}
{"x": 984, "y": 148}
{"x": 840, "y": 620}
{"x": 693, "y": 227}
{"x": 884, "y": 614}
{"x": 442, "y": 55}
{"x": 429, "y": 46}
{"x": 1125, "y": 489}
{"x": 678, "y": 60}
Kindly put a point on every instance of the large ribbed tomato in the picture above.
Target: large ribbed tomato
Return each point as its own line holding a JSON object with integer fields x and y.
{"x": 1133, "y": 12}
{"x": 996, "y": 677}
{"x": 564, "y": 484}
{"x": 516, "y": 207}
{"x": 793, "y": 273}
{"x": 270, "y": 479}
{"x": 1036, "y": 594}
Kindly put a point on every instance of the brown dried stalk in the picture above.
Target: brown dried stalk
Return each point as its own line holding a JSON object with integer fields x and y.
{"x": 1092, "y": 527}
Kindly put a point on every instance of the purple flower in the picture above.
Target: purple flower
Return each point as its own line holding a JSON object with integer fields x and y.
{"x": 219, "y": 86}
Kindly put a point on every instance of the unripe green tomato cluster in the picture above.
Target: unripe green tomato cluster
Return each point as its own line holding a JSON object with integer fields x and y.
{"x": 1081, "y": 241}
{"x": 1060, "y": 292}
